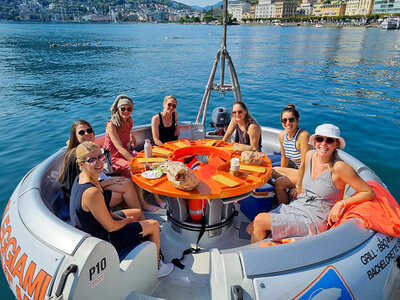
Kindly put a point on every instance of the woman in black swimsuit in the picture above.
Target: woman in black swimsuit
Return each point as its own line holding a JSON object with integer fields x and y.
{"x": 164, "y": 125}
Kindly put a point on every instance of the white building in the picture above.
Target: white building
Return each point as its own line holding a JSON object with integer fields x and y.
{"x": 306, "y": 9}
{"x": 236, "y": 9}
{"x": 386, "y": 6}
{"x": 265, "y": 9}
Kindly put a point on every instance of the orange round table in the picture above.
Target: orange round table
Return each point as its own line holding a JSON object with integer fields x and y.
{"x": 216, "y": 182}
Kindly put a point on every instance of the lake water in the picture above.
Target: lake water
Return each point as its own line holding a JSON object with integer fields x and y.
{"x": 346, "y": 76}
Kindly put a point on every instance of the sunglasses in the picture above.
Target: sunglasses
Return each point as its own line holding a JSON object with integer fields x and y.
{"x": 291, "y": 120}
{"x": 171, "y": 104}
{"x": 88, "y": 131}
{"x": 129, "y": 109}
{"x": 328, "y": 140}
{"x": 93, "y": 160}
{"x": 237, "y": 112}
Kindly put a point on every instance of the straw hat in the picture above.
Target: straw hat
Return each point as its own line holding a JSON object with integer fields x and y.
{"x": 328, "y": 130}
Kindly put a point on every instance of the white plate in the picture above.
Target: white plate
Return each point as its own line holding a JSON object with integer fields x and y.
{"x": 151, "y": 174}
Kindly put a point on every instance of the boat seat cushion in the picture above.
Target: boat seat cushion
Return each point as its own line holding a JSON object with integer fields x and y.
{"x": 275, "y": 159}
{"x": 59, "y": 207}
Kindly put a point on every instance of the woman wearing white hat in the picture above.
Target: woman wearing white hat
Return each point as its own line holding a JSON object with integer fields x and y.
{"x": 321, "y": 203}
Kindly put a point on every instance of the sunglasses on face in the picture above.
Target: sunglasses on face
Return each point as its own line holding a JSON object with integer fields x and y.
{"x": 88, "y": 131}
{"x": 327, "y": 140}
{"x": 93, "y": 160}
{"x": 239, "y": 112}
{"x": 291, "y": 120}
{"x": 129, "y": 109}
{"x": 171, "y": 104}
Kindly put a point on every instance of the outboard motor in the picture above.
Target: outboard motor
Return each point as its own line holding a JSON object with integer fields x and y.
{"x": 220, "y": 119}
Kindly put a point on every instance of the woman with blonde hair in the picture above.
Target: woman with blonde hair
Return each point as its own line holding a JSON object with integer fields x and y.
{"x": 164, "y": 125}
{"x": 247, "y": 130}
{"x": 123, "y": 190}
{"x": 118, "y": 140}
{"x": 321, "y": 203}
{"x": 90, "y": 211}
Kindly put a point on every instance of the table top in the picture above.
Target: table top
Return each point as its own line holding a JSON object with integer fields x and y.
{"x": 215, "y": 178}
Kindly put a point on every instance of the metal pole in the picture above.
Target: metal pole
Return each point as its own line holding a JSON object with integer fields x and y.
{"x": 223, "y": 42}
{"x": 222, "y": 88}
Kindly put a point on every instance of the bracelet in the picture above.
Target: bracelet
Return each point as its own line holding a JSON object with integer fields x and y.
{"x": 344, "y": 203}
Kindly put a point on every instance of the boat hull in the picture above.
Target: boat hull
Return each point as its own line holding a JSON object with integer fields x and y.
{"x": 43, "y": 255}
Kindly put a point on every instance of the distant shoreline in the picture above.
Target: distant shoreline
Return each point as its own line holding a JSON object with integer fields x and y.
{"x": 288, "y": 24}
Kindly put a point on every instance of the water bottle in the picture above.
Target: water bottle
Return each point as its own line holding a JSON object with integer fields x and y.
{"x": 235, "y": 166}
{"x": 147, "y": 149}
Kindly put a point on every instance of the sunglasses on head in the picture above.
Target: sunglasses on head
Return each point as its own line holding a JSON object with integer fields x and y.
{"x": 93, "y": 160}
{"x": 171, "y": 104}
{"x": 237, "y": 112}
{"x": 128, "y": 109}
{"x": 328, "y": 140}
{"x": 291, "y": 120}
{"x": 88, "y": 131}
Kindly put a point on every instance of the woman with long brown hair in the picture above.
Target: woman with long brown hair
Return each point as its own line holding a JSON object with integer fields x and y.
{"x": 247, "y": 130}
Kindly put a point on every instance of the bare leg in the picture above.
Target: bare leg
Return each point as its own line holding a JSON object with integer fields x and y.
{"x": 125, "y": 193}
{"x": 261, "y": 227}
{"x": 250, "y": 228}
{"x": 143, "y": 202}
{"x": 281, "y": 184}
{"x": 158, "y": 200}
{"x": 152, "y": 229}
{"x": 136, "y": 213}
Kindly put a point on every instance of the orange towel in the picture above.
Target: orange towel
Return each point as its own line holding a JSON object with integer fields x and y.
{"x": 381, "y": 214}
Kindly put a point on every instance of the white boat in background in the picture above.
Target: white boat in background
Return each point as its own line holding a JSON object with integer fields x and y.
{"x": 43, "y": 256}
{"x": 391, "y": 23}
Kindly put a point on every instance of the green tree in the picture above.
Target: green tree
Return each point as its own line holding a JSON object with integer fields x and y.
{"x": 229, "y": 19}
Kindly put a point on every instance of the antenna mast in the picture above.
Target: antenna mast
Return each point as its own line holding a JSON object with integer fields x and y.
{"x": 220, "y": 87}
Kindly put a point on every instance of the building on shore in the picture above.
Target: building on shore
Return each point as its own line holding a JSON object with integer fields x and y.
{"x": 237, "y": 9}
{"x": 386, "y": 7}
{"x": 329, "y": 10}
{"x": 285, "y": 8}
{"x": 305, "y": 9}
{"x": 359, "y": 7}
{"x": 265, "y": 9}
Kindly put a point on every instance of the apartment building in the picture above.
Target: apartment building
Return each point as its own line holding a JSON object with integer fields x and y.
{"x": 285, "y": 8}
{"x": 329, "y": 10}
{"x": 265, "y": 9}
{"x": 359, "y": 7}
{"x": 237, "y": 9}
{"x": 386, "y": 6}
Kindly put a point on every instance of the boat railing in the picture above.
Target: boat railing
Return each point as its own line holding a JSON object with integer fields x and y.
{"x": 332, "y": 243}
{"x": 36, "y": 193}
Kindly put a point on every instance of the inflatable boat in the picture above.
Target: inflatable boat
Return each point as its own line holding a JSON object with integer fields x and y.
{"x": 44, "y": 257}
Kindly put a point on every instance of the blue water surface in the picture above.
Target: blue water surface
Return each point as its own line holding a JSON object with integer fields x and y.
{"x": 345, "y": 76}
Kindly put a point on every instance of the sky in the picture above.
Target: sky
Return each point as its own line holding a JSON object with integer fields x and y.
{"x": 201, "y": 3}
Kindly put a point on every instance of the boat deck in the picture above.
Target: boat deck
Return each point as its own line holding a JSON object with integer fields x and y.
{"x": 193, "y": 281}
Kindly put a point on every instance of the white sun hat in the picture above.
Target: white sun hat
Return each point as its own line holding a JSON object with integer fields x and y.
{"x": 328, "y": 130}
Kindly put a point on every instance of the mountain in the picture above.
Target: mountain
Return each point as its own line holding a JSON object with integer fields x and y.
{"x": 208, "y": 7}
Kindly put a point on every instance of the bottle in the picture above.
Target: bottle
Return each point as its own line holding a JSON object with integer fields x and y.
{"x": 235, "y": 166}
{"x": 148, "y": 149}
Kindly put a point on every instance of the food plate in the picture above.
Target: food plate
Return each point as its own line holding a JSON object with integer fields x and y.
{"x": 152, "y": 174}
